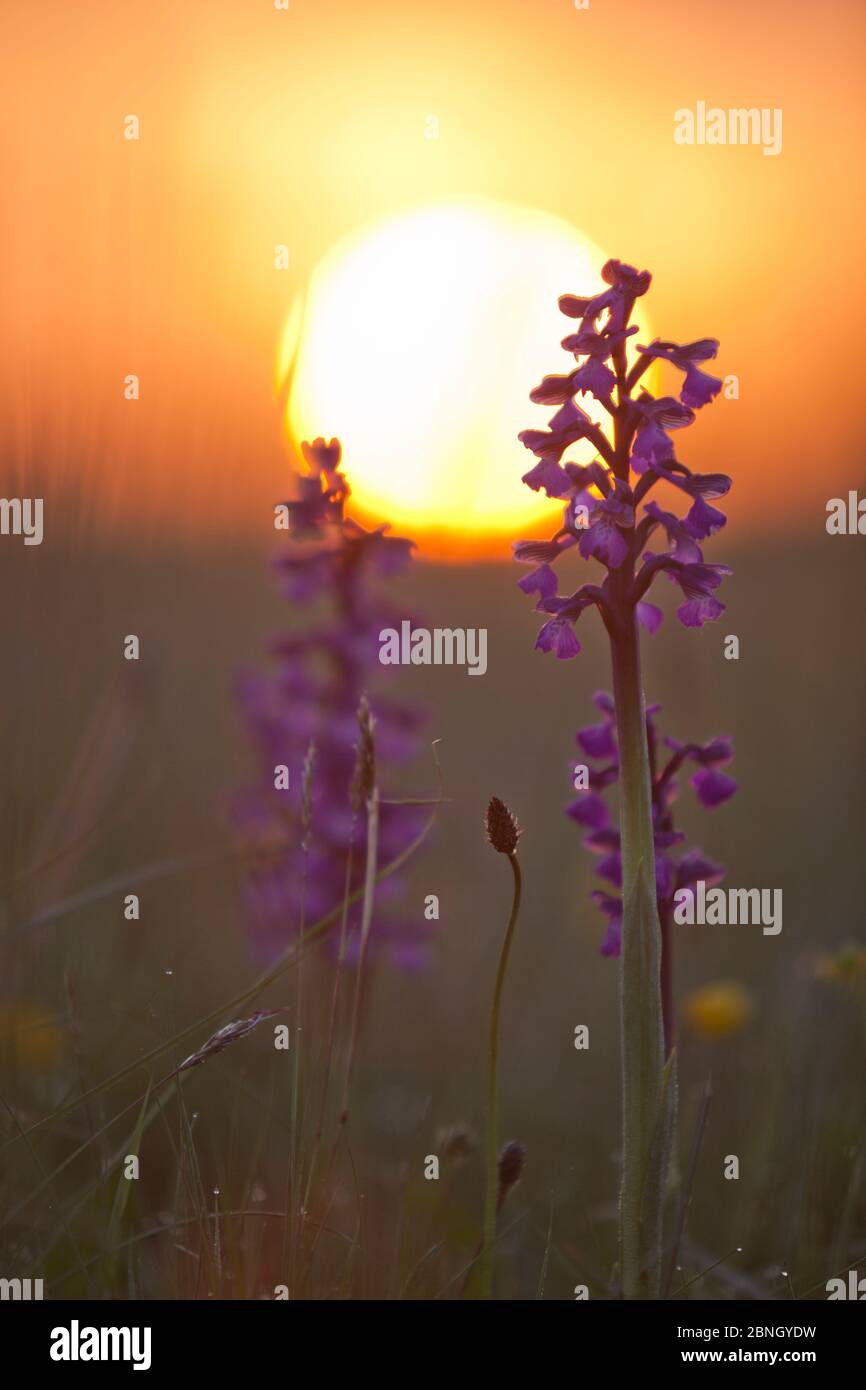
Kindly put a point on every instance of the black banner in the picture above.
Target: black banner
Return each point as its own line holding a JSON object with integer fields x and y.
{"x": 239, "y": 1339}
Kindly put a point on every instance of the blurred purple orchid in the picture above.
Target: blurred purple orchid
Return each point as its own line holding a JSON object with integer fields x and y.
{"x": 306, "y": 839}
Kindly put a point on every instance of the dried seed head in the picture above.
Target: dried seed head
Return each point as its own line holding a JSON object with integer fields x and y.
{"x": 224, "y": 1036}
{"x": 364, "y": 779}
{"x": 307, "y": 795}
{"x": 511, "y": 1161}
{"x": 503, "y": 832}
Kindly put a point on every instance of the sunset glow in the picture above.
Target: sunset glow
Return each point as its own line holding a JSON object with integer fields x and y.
{"x": 156, "y": 256}
{"x": 414, "y": 346}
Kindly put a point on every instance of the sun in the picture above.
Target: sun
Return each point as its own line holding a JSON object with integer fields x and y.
{"x": 417, "y": 343}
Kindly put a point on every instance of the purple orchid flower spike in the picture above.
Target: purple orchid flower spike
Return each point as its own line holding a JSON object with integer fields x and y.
{"x": 606, "y": 513}
{"x": 305, "y": 843}
{"x": 611, "y": 521}
{"x": 676, "y": 865}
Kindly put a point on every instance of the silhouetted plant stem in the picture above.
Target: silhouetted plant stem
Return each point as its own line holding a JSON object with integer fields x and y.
{"x": 667, "y": 974}
{"x": 641, "y": 1012}
{"x": 365, "y": 792}
{"x": 366, "y": 921}
{"x": 491, "y": 1129}
{"x": 665, "y": 920}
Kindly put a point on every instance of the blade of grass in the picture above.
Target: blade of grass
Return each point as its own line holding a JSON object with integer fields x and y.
{"x": 687, "y": 1187}
{"x": 124, "y": 1186}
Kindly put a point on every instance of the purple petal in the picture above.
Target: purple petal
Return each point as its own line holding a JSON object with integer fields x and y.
{"x": 699, "y": 388}
{"x": 602, "y": 777}
{"x": 570, "y": 417}
{"x": 716, "y": 751}
{"x": 597, "y": 740}
{"x": 554, "y": 390}
{"x": 610, "y": 868}
{"x": 541, "y": 581}
{"x": 704, "y": 484}
{"x": 600, "y": 841}
{"x": 584, "y": 475}
{"x": 697, "y": 611}
{"x": 702, "y": 520}
{"x": 594, "y": 377}
{"x": 529, "y": 552}
{"x": 664, "y": 877}
{"x": 666, "y": 839}
{"x": 699, "y": 580}
{"x": 713, "y": 787}
{"x": 605, "y": 540}
{"x": 612, "y": 909}
{"x": 573, "y": 306}
{"x": 701, "y": 351}
{"x": 548, "y": 474}
{"x": 670, "y": 413}
{"x": 626, "y": 277}
{"x": 604, "y": 702}
{"x": 651, "y": 446}
{"x": 590, "y": 810}
{"x": 684, "y": 547}
{"x": 612, "y": 942}
{"x": 695, "y": 866}
{"x": 558, "y": 636}
{"x": 649, "y": 616}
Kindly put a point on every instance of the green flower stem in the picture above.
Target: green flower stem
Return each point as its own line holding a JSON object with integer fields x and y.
{"x": 644, "y": 1092}
{"x": 491, "y": 1140}
{"x": 667, "y": 986}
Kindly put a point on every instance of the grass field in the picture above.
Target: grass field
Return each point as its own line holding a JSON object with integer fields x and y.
{"x": 119, "y": 777}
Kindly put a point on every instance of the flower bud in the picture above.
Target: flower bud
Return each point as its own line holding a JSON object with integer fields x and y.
{"x": 503, "y": 832}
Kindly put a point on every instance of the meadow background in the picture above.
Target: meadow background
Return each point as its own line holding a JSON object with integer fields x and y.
{"x": 112, "y": 765}
{"x": 261, "y": 128}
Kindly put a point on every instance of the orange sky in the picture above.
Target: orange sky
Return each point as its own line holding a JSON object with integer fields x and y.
{"x": 259, "y": 127}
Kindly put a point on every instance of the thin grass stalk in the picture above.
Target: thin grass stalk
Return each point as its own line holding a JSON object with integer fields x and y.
{"x": 366, "y": 923}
